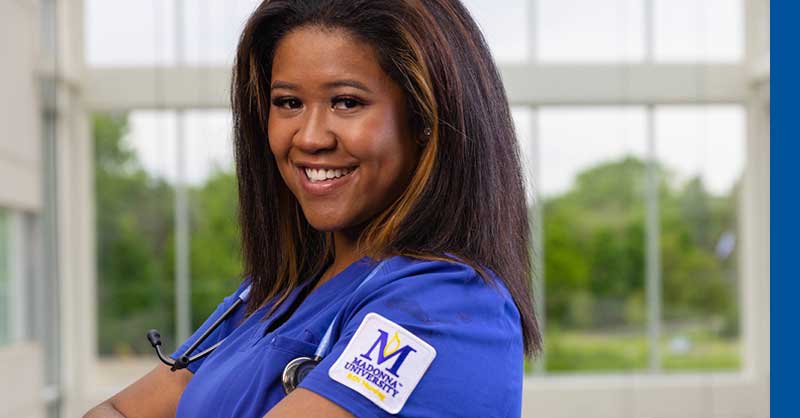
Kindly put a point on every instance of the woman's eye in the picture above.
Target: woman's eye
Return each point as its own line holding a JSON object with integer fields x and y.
{"x": 345, "y": 103}
{"x": 287, "y": 102}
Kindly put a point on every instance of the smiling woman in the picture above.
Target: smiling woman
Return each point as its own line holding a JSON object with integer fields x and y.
{"x": 383, "y": 220}
{"x": 320, "y": 124}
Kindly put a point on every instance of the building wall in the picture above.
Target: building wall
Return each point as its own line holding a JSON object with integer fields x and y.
{"x": 21, "y": 384}
{"x": 20, "y": 163}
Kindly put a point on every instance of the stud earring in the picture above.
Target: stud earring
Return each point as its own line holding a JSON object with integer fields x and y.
{"x": 427, "y": 136}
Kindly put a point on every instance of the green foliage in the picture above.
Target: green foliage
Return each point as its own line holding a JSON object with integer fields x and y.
{"x": 134, "y": 231}
{"x": 595, "y": 253}
{"x": 594, "y": 246}
{"x": 135, "y": 244}
{"x": 215, "y": 256}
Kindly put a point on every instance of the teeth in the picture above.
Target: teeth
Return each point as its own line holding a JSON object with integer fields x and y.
{"x": 322, "y": 174}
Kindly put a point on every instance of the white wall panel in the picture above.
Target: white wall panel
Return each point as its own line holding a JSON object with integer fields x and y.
{"x": 21, "y": 384}
{"x": 526, "y": 84}
{"x": 19, "y": 113}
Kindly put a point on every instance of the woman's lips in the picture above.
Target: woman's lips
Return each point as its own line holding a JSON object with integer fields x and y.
{"x": 325, "y": 187}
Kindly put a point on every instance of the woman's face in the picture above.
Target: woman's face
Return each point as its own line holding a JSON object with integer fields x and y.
{"x": 338, "y": 128}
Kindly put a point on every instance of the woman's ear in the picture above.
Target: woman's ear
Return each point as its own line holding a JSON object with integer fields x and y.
{"x": 425, "y": 137}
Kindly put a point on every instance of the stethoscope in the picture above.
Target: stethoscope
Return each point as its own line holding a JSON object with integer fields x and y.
{"x": 294, "y": 372}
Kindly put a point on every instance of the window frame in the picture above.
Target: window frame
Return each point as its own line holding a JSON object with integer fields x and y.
{"x": 534, "y": 84}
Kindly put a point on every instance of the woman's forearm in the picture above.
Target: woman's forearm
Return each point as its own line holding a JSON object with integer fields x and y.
{"x": 104, "y": 410}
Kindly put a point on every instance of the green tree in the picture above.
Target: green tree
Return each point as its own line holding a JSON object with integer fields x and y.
{"x": 594, "y": 246}
{"x": 215, "y": 248}
{"x": 134, "y": 234}
{"x": 135, "y": 243}
{"x": 595, "y": 250}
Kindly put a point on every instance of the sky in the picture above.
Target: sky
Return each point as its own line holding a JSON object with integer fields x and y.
{"x": 690, "y": 140}
{"x": 124, "y": 32}
{"x": 560, "y": 142}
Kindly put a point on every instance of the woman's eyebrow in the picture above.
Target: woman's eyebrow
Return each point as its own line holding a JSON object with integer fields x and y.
{"x": 283, "y": 85}
{"x": 348, "y": 83}
{"x": 332, "y": 84}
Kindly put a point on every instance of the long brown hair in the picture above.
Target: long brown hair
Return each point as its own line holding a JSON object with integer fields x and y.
{"x": 466, "y": 198}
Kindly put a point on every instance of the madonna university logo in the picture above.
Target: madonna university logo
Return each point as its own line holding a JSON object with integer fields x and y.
{"x": 389, "y": 349}
{"x": 383, "y": 362}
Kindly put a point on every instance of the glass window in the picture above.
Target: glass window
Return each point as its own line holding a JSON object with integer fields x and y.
{"x": 592, "y": 190}
{"x": 575, "y": 139}
{"x": 701, "y": 151}
{"x": 15, "y": 325}
{"x": 215, "y": 262}
{"x": 593, "y": 165}
{"x": 590, "y": 30}
{"x": 523, "y": 126}
{"x": 692, "y": 30}
{"x": 130, "y": 33}
{"x": 505, "y": 28}
{"x": 134, "y": 156}
{"x": 210, "y": 144}
{"x": 48, "y": 36}
{"x": 137, "y": 157}
{"x": 211, "y": 29}
{"x": 151, "y": 135}
{"x": 124, "y": 33}
{"x": 5, "y": 278}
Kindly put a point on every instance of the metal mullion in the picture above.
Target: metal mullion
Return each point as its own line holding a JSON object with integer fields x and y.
{"x": 533, "y": 35}
{"x": 49, "y": 284}
{"x": 540, "y": 366}
{"x": 653, "y": 255}
{"x": 5, "y": 278}
{"x": 182, "y": 269}
{"x": 18, "y": 256}
{"x": 182, "y": 285}
{"x": 649, "y": 30}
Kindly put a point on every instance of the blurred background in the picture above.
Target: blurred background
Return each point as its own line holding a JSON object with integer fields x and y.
{"x": 644, "y": 127}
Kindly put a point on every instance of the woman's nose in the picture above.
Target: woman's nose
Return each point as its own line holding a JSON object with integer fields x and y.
{"x": 315, "y": 133}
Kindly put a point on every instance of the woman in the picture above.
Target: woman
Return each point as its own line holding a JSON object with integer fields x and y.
{"x": 382, "y": 203}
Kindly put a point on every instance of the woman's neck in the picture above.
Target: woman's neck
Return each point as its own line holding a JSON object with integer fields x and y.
{"x": 344, "y": 244}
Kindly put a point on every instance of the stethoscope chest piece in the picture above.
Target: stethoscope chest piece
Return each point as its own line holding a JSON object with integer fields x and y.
{"x": 293, "y": 373}
{"x": 296, "y": 371}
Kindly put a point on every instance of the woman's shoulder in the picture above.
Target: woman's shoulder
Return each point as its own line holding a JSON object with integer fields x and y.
{"x": 450, "y": 318}
{"x": 449, "y": 267}
{"x": 443, "y": 288}
{"x": 449, "y": 271}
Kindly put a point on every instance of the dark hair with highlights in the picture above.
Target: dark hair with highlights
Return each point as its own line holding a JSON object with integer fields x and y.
{"x": 466, "y": 197}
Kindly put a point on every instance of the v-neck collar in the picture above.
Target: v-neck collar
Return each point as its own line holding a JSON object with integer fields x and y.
{"x": 356, "y": 270}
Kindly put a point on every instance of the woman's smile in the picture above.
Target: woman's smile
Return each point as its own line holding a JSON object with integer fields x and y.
{"x": 318, "y": 175}
{"x": 325, "y": 181}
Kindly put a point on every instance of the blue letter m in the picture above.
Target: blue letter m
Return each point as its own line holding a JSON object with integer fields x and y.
{"x": 382, "y": 341}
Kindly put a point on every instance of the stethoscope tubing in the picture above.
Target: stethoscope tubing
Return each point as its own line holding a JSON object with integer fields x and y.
{"x": 185, "y": 359}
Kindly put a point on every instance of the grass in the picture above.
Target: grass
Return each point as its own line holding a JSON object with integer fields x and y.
{"x": 575, "y": 351}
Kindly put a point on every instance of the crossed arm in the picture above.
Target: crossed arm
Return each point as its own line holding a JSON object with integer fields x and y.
{"x": 156, "y": 395}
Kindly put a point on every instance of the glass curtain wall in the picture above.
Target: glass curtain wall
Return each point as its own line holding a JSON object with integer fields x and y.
{"x": 596, "y": 202}
{"x": 137, "y": 174}
{"x": 634, "y": 204}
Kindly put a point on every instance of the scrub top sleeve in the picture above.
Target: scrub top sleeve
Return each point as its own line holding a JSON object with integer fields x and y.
{"x": 429, "y": 339}
{"x": 221, "y": 332}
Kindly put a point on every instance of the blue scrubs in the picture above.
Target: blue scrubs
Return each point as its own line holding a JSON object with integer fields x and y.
{"x": 473, "y": 327}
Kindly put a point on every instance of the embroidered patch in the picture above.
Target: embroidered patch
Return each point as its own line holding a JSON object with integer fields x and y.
{"x": 384, "y": 362}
